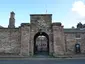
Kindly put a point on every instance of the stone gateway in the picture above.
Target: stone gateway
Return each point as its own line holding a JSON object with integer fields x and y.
{"x": 40, "y": 36}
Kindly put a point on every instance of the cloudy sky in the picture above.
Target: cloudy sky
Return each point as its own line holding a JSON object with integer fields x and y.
{"x": 68, "y": 12}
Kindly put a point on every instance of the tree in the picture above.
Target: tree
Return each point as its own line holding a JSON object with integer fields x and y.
{"x": 83, "y": 25}
{"x": 79, "y": 25}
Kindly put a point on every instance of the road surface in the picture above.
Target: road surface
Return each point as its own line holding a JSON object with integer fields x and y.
{"x": 43, "y": 61}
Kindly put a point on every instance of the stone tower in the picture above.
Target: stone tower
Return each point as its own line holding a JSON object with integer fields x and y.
{"x": 11, "y": 20}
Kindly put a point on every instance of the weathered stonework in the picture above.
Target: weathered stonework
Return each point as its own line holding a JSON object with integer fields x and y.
{"x": 58, "y": 40}
{"x": 21, "y": 41}
{"x": 25, "y": 40}
{"x": 71, "y": 40}
{"x": 9, "y": 41}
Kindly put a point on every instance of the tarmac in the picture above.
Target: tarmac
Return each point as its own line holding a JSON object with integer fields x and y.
{"x": 40, "y": 57}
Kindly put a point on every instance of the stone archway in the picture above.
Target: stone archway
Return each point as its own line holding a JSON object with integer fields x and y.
{"x": 45, "y": 49}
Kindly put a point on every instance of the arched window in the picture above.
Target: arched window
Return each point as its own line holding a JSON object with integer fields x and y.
{"x": 77, "y": 48}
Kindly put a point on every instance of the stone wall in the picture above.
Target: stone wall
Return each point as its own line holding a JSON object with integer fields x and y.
{"x": 9, "y": 41}
{"x": 82, "y": 43}
{"x": 25, "y": 40}
{"x": 58, "y": 40}
{"x": 71, "y": 40}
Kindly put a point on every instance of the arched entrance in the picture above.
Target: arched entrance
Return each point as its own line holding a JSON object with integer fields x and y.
{"x": 41, "y": 44}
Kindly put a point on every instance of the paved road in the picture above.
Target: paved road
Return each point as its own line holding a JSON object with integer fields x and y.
{"x": 44, "y": 61}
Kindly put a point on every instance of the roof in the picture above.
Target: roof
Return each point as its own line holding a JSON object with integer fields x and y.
{"x": 74, "y": 30}
{"x": 1, "y": 26}
{"x": 40, "y": 14}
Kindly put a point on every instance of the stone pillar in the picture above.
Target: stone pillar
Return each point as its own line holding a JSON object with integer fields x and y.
{"x": 58, "y": 39}
{"x": 50, "y": 42}
{"x": 25, "y": 40}
{"x": 32, "y": 42}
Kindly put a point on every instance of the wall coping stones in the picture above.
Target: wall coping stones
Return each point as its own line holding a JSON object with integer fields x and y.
{"x": 40, "y": 14}
{"x": 25, "y": 24}
{"x": 56, "y": 24}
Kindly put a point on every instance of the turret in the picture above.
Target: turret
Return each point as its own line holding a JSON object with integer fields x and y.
{"x": 12, "y": 20}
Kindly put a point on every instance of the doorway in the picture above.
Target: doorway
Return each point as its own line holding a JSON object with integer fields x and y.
{"x": 41, "y": 44}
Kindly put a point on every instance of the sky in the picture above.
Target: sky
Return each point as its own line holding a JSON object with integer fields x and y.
{"x": 68, "y": 12}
